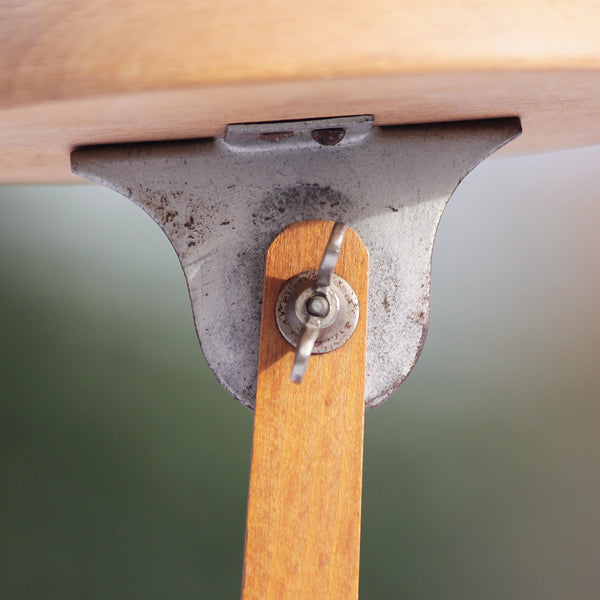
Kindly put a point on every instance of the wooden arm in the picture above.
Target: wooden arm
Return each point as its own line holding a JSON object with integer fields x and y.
{"x": 303, "y": 533}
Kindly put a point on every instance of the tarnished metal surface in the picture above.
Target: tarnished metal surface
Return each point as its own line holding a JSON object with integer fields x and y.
{"x": 222, "y": 201}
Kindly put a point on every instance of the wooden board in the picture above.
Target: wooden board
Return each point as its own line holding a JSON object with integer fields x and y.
{"x": 303, "y": 533}
{"x": 102, "y": 71}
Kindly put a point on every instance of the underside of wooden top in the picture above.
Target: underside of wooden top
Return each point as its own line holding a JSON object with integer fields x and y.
{"x": 74, "y": 73}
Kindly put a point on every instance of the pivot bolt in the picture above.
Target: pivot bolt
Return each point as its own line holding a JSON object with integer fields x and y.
{"x": 317, "y": 306}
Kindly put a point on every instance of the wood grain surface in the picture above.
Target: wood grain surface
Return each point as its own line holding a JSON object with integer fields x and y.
{"x": 77, "y": 73}
{"x": 303, "y": 532}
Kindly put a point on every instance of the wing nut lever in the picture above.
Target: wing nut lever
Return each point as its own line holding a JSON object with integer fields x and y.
{"x": 317, "y": 311}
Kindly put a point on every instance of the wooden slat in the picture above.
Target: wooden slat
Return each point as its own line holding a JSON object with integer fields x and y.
{"x": 102, "y": 71}
{"x": 303, "y": 532}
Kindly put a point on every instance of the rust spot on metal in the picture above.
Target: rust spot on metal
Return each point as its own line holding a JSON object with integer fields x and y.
{"x": 275, "y": 136}
{"x": 329, "y": 137}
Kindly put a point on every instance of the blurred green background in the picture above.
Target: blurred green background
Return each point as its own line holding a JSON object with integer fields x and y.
{"x": 124, "y": 467}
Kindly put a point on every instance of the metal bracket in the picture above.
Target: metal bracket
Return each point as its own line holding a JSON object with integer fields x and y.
{"x": 222, "y": 201}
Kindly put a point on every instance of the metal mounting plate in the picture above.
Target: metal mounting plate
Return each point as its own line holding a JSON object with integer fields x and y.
{"x": 222, "y": 201}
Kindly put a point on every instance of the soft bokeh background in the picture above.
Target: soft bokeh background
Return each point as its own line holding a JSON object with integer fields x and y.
{"x": 124, "y": 467}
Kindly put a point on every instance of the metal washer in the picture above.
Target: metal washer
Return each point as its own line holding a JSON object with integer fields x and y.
{"x": 332, "y": 337}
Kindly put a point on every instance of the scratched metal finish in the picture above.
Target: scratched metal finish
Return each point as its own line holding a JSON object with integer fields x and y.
{"x": 221, "y": 202}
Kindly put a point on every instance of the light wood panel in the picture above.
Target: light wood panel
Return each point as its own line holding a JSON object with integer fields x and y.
{"x": 70, "y": 49}
{"x": 103, "y": 71}
{"x": 303, "y": 532}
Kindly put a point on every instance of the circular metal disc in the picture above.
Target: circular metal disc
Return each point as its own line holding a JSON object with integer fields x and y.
{"x": 330, "y": 337}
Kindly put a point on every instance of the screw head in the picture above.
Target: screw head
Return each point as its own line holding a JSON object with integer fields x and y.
{"x": 317, "y": 306}
{"x": 329, "y": 137}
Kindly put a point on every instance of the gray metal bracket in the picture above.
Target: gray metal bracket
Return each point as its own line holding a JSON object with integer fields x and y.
{"x": 222, "y": 201}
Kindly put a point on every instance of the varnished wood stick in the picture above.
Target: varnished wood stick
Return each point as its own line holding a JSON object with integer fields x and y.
{"x": 303, "y": 529}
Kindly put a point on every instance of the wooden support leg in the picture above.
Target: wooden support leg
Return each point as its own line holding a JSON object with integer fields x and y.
{"x": 303, "y": 528}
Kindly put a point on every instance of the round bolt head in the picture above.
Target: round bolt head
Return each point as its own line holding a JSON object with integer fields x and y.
{"x": 317, "y": 306}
